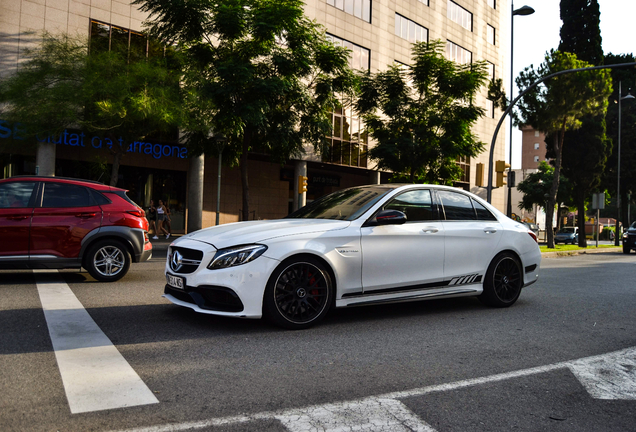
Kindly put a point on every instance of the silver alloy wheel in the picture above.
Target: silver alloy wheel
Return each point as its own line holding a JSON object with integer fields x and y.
{"x": 109, "y": 260}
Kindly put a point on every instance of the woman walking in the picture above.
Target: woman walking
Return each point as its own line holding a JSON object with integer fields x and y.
{"x": 151, "y": 215}
{"x": 162, "y": 213}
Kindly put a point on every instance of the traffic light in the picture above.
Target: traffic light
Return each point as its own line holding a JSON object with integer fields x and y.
{"x": 479, "y": 175}
{"x": 500, "y": 168}
{"x": 302, "y": 184}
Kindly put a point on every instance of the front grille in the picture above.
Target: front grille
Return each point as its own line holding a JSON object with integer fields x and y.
{"x": 184, "y": 260}
{"x": 208, "y": 297}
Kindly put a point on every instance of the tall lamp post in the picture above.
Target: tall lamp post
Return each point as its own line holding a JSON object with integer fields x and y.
{"x": 617, "y": 240}
{"x": 524, "y": 10}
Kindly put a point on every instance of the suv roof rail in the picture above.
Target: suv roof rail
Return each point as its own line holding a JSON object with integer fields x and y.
{"x": 59, "y": 178}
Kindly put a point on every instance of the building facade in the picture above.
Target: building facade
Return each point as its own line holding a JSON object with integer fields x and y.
{"x": 533, "y": 148}
{"x": 378, "y": 33}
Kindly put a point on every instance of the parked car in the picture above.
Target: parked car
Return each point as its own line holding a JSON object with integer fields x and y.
{"x": 53, "y": 222}
{"x": 629, "y": 239}
{"x": 359, "y": 246}
{"x": 567, "y": 235}
{"x": 533, "y": 227}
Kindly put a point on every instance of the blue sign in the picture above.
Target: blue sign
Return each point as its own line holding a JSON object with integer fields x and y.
{"x": 79, "y": 139}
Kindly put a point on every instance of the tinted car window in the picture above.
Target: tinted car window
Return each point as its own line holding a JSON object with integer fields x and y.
{"x": 457, "y": 206}
{"x": 16, "y": 194}
{"x": 482, "y": 212}
{"x": 66, "y": 195}
{"x": 417, "y": 205}
{"x": 99, "y": 198}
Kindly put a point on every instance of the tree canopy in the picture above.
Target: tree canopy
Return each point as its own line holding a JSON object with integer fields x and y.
{"x": 61, "y": 86}
{"x": 586, "y": 149}
{"x": 559, "y": 104}
{"x": 421, "y": 114}
{"x": 257, "y": 71}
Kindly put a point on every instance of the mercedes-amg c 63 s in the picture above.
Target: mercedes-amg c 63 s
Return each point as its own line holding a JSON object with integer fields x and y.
{"x": 359, "y": 246}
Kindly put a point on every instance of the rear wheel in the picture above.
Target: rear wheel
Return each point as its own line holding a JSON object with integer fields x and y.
{"x": 298, "y": 294}
{"x": 503, "y": 282}
{"x": 107, "y": 260}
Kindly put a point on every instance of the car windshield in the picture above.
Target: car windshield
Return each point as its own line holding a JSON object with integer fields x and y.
{"x": 567, "y": 231}
{"x": 347, "y": 204}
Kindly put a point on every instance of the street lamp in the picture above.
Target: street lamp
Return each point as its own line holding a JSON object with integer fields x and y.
{"x": 524, "y": 10}
{"x": 618, "y": 170}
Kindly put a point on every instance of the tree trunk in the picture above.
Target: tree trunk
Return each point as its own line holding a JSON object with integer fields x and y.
{"x": 114, "y": 174}
{"x": 244, "y": 179}
{"x": 552, "y": 199}
{"x": 580, "y": 207}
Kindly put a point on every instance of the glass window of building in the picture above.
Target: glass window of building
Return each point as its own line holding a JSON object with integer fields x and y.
{"x": 357, "y": 8}
{"x": 490, "y": 34}
{"x": 458, "y": 54}
{"x": 536, "y": 146}
{"x": 424, "y": 1}
{"x": 359, "y": 57}
{"x": 492, "y": 3}
{"x": 461, "y": 16}
{"x": 410, "y": 30}
{"x": 536, "y": 158}
{"x": 464, "y": 180}
{"x": 490, "y": 108}
{"x": 490, "y": 70}
{"x": 349, "y": 139}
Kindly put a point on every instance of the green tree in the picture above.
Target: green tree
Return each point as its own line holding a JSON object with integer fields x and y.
{"x": 62, "y": 86}
{"x": 536, "y": 188}
{"x": 558, "y": 104}
{"x": 586, "y": 149}
{"x": 265, "y": 75}
{"x": 421, "y": 114}
{"x": 626, "y": 76}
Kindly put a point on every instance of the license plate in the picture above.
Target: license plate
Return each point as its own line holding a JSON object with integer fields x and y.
{"x": 174, "y": 281}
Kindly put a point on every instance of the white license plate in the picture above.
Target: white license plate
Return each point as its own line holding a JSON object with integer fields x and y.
{"x": 174, "y": 281}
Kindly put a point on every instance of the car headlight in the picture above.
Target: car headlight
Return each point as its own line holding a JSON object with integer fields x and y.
{"x": 625, "y": 235}
{"x": 235, "y": 256}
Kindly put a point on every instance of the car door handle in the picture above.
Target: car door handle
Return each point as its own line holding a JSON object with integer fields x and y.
{"x": 85, "y": 215}
{"x": 17, "y": 217}
{"x": 490, "y": 230}
{"x": 431, "y": 230}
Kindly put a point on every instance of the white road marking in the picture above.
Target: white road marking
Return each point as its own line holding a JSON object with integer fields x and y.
{"x": 610, "y": 377}
{"x": 372, "y": 414}
{"x": 385, "y": 413}
{"x": 94, "y": 373}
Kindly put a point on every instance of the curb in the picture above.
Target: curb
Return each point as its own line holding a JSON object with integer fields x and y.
{"x": 616, "y": 249}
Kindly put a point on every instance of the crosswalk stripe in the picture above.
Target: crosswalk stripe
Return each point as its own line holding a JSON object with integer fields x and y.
{"x": 94, "y": 373}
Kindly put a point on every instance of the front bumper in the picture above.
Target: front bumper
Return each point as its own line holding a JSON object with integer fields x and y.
{"x": 234, "y": 291}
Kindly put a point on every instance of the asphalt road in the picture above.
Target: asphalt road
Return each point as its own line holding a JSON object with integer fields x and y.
{"x": 563, "y": 358}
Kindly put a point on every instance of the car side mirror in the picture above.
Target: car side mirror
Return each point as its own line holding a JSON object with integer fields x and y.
{"x": 389, "y": 217}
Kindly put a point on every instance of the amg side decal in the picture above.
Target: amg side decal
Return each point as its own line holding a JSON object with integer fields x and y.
{"x": 465, "y": 280}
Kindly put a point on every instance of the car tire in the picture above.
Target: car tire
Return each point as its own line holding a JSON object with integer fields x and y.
{"x": 107, "y": 260}
{"x": 503, "y": 282}
{"x": 626, "y": 249}
{"x": 298, "y": 294}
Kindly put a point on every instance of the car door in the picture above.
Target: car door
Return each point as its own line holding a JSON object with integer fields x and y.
{"x": 407, "y": 256}
{"x": 16, "y": 210}
{"x": 68, "y": 212}
{"x": 472, "y": 234}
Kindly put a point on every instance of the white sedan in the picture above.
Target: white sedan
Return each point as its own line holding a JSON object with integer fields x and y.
{"x": 359, "y": 246}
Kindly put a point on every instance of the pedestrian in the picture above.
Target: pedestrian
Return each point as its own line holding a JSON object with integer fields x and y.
{"x": 151, "y": 216}
{"x": 161, "y": 217}
{"x": 168, "y": 221}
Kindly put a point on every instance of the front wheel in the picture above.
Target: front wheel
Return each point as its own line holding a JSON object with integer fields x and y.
{"x": 503, "y": 281}
{"x": 107, "y": 260}
{"x": 298, "y": 294}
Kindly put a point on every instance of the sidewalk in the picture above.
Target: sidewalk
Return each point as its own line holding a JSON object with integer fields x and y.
{"x": 161, "y": 244}
{"x": 589, "y": 250}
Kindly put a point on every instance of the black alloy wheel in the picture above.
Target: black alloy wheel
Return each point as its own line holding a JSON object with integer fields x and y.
{"x": 299, "y": 293}
{"x": 503, "y": 282}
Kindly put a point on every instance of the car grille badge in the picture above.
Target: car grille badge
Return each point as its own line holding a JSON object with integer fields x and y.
{"x": 176, "y": 261}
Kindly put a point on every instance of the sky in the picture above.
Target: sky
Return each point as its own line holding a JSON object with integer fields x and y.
{"x": 536, "y": 34}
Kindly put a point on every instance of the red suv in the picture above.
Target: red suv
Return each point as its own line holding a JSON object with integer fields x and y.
{"x": 55, "y": 222}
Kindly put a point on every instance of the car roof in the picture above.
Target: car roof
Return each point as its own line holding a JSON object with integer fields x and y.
{"x": 70, "y": 180}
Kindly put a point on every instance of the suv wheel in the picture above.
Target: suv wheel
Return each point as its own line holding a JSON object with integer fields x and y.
{"x": 107, "y": 260}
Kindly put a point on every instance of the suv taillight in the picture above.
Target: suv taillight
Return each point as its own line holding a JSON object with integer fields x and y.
{"x": 139, "y": 212}
{"x": 534, "y": 236}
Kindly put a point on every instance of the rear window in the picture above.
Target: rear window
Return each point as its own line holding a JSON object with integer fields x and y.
{"x": 60, "y": 195}
{"x": 122, "y": 194}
